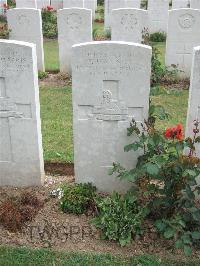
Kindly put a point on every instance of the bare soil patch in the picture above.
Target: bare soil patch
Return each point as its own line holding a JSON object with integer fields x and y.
{"x": 56, "y": 168}
{"x": 56, "y": 79}
{"x": 61, "y": 231}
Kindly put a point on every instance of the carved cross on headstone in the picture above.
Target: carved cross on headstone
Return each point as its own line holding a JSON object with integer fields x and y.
{"x": 9, "y": 109}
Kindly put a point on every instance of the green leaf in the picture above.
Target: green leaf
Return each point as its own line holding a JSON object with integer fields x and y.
{"x": 196, "y": 215}
{"x": 189, "y": 172}
{"x": 152, "y": 169}
{"x": 179, "y": 147}
{"x": 133, "y": 146}
{"x": 197, "y": 140}
{"x": 196, "y": 235}
{"x": 169, "y": 233}
{"x": 187, "y": 250}
{"x": 160, "y": 225}
{"x": 179, "y": 243}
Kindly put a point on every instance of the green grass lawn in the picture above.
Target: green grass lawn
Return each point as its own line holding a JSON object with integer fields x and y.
{"x": 161, "y": 47}
{"x": 56, "y": 114}
{"x": 10, "y": 256}
{"x": 51, "y": 55}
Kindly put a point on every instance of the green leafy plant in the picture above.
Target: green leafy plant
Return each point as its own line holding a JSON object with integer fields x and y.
{"x": 49, "y": 22}
{"x": 4, "y": 31}
{"x": 42, "y": 74}
{"x": 158, "y": 37}
{"x": 11, "y": 3}
{"x": 165, "y": 178}
{"x": 119, "y": 217}
{"x": 159, "y": 72}
{"x": 76, "y": 198}
{"x": 100, "y": 14}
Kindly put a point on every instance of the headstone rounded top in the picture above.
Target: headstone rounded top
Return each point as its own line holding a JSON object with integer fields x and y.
{"x": 128, "y": 8}
{"x": 110, "y": 43}
{"x": 28, "y": 44}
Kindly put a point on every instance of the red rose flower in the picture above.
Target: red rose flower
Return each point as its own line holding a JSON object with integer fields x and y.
{"x": 175, "y": 132}
{"x": 168, "y": 133}
{"x": 49, "y": 8}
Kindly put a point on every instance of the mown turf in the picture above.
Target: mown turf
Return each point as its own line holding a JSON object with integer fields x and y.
{"x": 10, "y": 256}
{"x": 56, "y": 115}
{"x": 51, "y": 55}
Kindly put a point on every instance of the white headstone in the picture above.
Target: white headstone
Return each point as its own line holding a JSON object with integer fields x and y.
{"x": 21, "y": 158}
{"x": 73, "y": 3}
{"x": 194, "y": 97}
{"x": 43, "y": 4}
{"x": 195, "y": 4}
{"x": 57, "y": 4}
{"x": 111, "y": 84}
{"x": 132, "y": 3}
{"x": 26, "y": 3}
{"x": 109, "y": 5}
{"x": 183, "y": 35}
{"x": 158, "y": 15}
{"x": 127, "y": 24}
{"x": 180, "y": 4}
{"x": 74, "y": 26}
{"x": 90, "y": 4}
{"x": 26, "y": 25}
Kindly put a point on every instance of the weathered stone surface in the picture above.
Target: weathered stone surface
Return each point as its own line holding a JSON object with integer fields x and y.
{"x": 26, "y": 3}
{"x": 158, "y": 15}
{"x": 128, "y": 24}
{"x": 194, "y": 97}
{"x": 26, "y": 25}
{"x": 195, "y": 4}
{"x": 57, "y": 4}
{"x": 74, "y": 26}
{"x": 21, "y": 159}
{"x": 111, "y": 84}
{"x": 180, "y": 4}
{"x": 73, "y": 3}
{"x": 183, "y": 35}
{"x": 43, "y": 3}
{"x": 90, "y": 4}
{"x": 109, "y": 5}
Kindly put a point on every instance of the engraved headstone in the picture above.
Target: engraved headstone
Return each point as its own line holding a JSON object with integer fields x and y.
{"x": 195, "y": 4}
{"x": 26, "y": 25}
{"x": 158, "y": 15}
{"x": 57, "y": 4}
{"x": 26, "y": 3}
{"x": 21, "y": 159}
{"x": 194, "y": 97}
{"x": 128, "y": 24}
{"x": 111, "y": 84}
{"x": 180, "y": 4}
{"x": 109, "y": 5}
{"x": 74, "y": 26}
{"x": 183, "y": 35}
{"x": 90, "y": 4}
{"x": 73, "y": 3}
{"x": 43, "y": 4}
